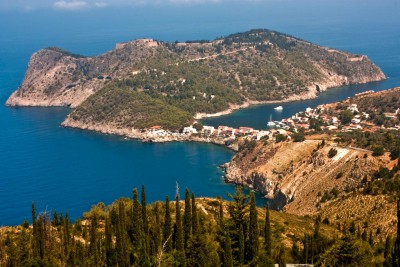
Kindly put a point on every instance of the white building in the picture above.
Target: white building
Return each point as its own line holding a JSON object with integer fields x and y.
{"x": 189, "y": 130}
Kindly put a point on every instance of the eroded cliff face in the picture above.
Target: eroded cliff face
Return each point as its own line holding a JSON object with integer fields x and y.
{"x": 296, "y": 175}
{"x": 58, "y": 78}
{"x": 53, "y": 79}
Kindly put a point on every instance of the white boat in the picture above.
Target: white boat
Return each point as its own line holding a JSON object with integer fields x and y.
{"x": 270, "y": 122}
{"x": 278, "y": 108}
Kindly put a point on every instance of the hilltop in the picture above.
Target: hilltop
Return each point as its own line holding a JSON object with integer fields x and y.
{"x": 187, "y": 79}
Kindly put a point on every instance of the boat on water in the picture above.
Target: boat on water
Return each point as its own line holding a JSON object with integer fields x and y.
{"x": 270, "y": 122}
{"x": 278, "y": 108}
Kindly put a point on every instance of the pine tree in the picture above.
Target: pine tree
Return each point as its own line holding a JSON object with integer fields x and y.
{"x": 187, "y": 219}
{"x": 267, "y": 234}
{"x": 167, "y": 230}
{"x": 253, "y": 229}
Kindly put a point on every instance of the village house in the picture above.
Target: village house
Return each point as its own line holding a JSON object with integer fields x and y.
{"x": 208, "y": 130}
{"x": 189, "y": 130}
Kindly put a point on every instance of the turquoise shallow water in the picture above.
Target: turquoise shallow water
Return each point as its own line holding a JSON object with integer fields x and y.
{"x": 69, "y": 170}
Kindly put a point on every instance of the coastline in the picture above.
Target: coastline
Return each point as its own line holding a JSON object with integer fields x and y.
{"x": 250, "y": 103}
{"x": 144, "y": 136}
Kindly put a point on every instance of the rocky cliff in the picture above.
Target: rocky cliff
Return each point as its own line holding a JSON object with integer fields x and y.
{"x": 298, "y": 176}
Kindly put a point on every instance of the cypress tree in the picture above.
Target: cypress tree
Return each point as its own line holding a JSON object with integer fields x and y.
{"x": 136, "y": 235}
{"x": 281, "y": 256}
{"x": 317, "y": 226}
{"x": 66, "y": 237}
{"x": 178, "y": 223}
{"x": 35, "y": 239}
{"x": 387, "y": 254}
{"x": 157, "y": 229}
{"x": 194, "y": 215}
{"x": 253, "y": 229}
{"x": 228, "y": 259}
{"x": 306, "y": 248}
{"x": 371, "y": 239}
{"x": 396, "y": 249}
{"x": 145, "y": 243}
{"x": 121, "y": 244}
{"x": 267, "y": 234}
{"x": 55, "y": 222}
{"x": 167, "y": 230}
{"x": 221, "y": 214}
{"x": 108, "y": 244}
{"x": 94, "y": 240}
{"x": 144, "y": 213}
{"x": 241, "y": 245}
{"x": 187, "y": 219}
{"x": 364, "y": 235}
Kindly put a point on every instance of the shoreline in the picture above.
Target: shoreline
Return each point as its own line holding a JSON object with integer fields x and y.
{"x": 146, "y": 137}
{"x": 251, "y": 103}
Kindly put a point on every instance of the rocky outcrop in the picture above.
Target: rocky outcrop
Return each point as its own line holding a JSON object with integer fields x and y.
{"x": 295, "y": 176}
{"x": 58, "y": 78}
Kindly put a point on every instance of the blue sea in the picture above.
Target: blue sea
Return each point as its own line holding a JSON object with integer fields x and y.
{"x": 69, "y": 170}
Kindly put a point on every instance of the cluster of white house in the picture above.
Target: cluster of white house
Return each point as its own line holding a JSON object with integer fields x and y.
{"x": 225, "y": 132}
{"x": 302, "y": 119}
{"x": 299, "y": 120}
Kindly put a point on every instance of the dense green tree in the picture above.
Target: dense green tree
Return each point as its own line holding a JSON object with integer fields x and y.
{"x": 346, "y": 116}
{"x": 347, "y": 251}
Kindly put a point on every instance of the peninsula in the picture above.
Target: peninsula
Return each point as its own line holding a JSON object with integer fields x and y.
{"x": 147, "y": 83}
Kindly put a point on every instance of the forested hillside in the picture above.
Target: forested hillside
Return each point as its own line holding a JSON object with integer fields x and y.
{"x": 192, "y": 232}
